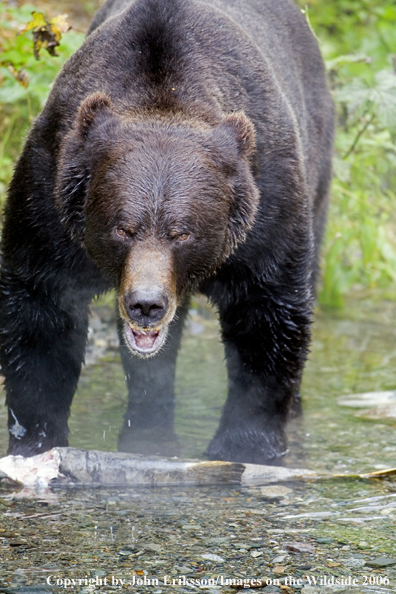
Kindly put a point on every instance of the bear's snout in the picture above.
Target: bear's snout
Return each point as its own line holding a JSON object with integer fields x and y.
{"x": 147, "y": 297}
{"x": 146, "y": 307}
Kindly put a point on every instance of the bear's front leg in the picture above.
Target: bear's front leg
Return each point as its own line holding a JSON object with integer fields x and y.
{"x": 266, "y": 340}
{"x": 42, "y": 337}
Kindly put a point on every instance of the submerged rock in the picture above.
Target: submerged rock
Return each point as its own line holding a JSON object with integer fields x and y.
{"x": 368, "y": 399}
{"x": 378, "y": 413}
{"x": 212, "y": 557}
{"x": 275, "y": 491}
{"x": 300, "y": 547}
{"x": 381, "y": 562}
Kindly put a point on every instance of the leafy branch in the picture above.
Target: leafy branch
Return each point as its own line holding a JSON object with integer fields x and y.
{"x": 359, "y": 135}
{"x": 46, "y": 34}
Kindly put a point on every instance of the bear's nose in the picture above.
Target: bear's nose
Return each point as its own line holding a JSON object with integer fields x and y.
{"x": 146, "y": 307}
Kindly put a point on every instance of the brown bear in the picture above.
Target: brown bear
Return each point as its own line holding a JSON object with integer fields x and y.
{"x": 186, "y": 146}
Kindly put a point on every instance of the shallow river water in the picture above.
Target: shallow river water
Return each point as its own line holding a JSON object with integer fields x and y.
{"x": 330, "y": 535}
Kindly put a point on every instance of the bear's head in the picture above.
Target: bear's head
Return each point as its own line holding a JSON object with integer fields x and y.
{"x": 158, "y": 201}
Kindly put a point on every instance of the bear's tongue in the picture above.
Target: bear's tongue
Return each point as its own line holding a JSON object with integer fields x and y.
{"x": 145, "y": 340}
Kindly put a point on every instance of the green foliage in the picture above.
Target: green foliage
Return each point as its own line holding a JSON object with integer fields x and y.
{"x": 24, "y": 82}
{"x": 358, "y": 42}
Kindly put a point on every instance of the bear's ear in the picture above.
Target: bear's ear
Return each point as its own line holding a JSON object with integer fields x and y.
{"x": 234, "y": 137}
{"x": 232, "y": 144}
{"x": 75, "y": 163}
{"x": 97, "y": 103}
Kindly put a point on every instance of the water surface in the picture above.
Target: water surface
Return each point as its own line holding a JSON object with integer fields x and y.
{"x": 212, "y": 533}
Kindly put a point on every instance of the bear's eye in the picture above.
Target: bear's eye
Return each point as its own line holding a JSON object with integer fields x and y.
{"x": 121, "y": 233}
{"x": 178, "y": 236}
{"x": 183, "y": 237}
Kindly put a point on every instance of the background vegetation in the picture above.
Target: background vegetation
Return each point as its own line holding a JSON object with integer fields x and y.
{"x": 358, "y": 42}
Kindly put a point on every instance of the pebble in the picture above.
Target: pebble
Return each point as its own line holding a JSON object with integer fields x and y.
{"x": 184, "y": 569}
{"x": 352, "y": 562}
{"x": 212, "y": 557}
{"x": 242, "y": 545}
{"x": 381, "y": 562}
{"x": 153, "y": 547}
{"x": 324, "y": 540}
{"x": 20, "y": 542}
{"x": 300, "y": 547}
{"x": 275, "y": 491}
{"x": 217, "y": 540}
{"x": 279, "y": 569}
{"x": 279, "y": 559}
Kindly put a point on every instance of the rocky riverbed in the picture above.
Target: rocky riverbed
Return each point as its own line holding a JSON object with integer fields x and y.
{"x": 289, "y": 537}
{"x": 294, "y": 538}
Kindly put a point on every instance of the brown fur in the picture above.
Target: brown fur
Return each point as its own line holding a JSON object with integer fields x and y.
{"x": 148, "y": 265}
{"x": 187, "y": 141}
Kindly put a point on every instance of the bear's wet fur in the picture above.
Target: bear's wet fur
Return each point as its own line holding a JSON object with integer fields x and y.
{"x": 186, "y": 146}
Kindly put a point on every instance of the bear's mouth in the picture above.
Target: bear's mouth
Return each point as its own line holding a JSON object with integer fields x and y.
{"x": 144, "y": 341}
